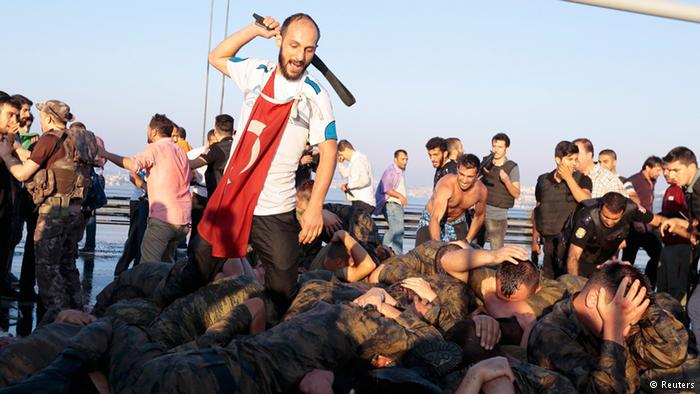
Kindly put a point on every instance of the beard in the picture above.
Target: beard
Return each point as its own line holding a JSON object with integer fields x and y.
{"x": 284, "y": 62}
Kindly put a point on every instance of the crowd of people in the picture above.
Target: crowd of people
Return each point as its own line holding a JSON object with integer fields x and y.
{"x": 282, "y": 291}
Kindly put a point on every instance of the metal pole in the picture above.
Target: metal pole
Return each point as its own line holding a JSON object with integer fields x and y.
{"x": 206, "y": 83}
{"x": 661, "y": 8}
{"x": 223, "y": 77}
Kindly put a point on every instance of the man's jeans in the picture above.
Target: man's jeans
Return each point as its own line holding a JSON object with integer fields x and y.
{"x": 496, "y": 232}
{"x": 161, "y": 239}
{"x": 393, "y": 237}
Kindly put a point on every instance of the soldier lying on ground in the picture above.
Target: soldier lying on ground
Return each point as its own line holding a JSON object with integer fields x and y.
{"x": 326, "y": 337}
{"x": 345, "y": 257}
{"x": 515, "y": 291}
{"x": 603, "y": 337}
{"x": 435, "y": 257}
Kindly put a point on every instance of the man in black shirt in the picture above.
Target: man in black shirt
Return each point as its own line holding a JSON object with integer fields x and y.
{"x": 217, "y": 156}
{"x": 9, "y": 114}
{"x": 599, "y": 228}
{"x": 438, "y": 154}
{"x": 558, "y": 194}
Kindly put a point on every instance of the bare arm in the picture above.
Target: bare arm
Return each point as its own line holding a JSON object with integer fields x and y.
{"x": 512, "y": 187}
{"x": 123, "y": 162}
{"x": 479, "y": 216}
{"x": 437, "y": 208}
{"x": 577, "y": 191}
{"x": 312, "y": 220}
{"x": 21, "y": 171}
{"x": 468, "y": 259}
{"x": 572, "y": 259}
{"x": 364, "y": 264}
{"x": 233, "y": 43}
{"x": 197, "y": 162}
{"x": 137, "y": 180}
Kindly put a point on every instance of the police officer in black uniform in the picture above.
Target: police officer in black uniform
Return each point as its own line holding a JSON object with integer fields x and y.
{"x": 598, "y": 229}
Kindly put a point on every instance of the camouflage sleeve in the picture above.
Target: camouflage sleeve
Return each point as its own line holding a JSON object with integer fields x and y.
{"x": 549, "y": 294}
{"x": 550, "y": 348}
{"x": 395, "y": 271}
{"x": 410, "y": 330}
{"x": 660, "y": 341}
{"x": 533, "y": 379}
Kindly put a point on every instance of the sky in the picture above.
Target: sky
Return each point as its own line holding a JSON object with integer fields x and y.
{"x": 540, "y": 70}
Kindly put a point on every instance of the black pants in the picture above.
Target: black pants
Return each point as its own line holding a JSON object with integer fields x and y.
{"x": 5, "y": 234}
{"x": 553, "y": 261}
{"x": 275, "y": 241}
{"x": 138, "y": 216}
{"x": 198, "y": 205}
{"x": 364, "y": 206}
{"x": 651, "y": 243}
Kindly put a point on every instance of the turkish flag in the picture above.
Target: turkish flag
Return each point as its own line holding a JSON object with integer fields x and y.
{"x": 228, "y": 216}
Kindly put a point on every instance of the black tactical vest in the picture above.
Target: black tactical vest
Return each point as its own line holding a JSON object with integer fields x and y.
{"x": 556, "y": 205}
{"x": 498, "y": 194}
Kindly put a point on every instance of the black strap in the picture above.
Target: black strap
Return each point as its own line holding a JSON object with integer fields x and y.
{"x": 58, "y": 145}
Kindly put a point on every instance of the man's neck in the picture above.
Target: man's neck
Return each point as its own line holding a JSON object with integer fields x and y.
{"x": 499, "y": 162}
{"x": 588, "y": 169}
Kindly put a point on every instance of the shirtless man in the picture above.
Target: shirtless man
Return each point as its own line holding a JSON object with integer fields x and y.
{"x": 444, "y": 216}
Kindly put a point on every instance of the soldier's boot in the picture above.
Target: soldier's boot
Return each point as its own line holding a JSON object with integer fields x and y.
{"x": 437, "y": 358}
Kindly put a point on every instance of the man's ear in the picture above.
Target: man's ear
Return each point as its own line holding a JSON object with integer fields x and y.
{"x": 592, "y": 299}
{"x": 278, "y": 41}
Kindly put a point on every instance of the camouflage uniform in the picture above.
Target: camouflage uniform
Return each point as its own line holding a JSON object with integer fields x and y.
{"x": 139, "y": 281}
{"x": 58, "y": 231}
{"x": 529, "y": 379}
{"x": 551, "y": 291}
{"x": 325, "y": 337}
{"x": 189, "y": 317}
{"x": 561, "y": 343}
{"x": 417, "y": 262}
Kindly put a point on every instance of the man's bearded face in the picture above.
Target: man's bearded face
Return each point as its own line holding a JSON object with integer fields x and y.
{"x": 297, "y": 49}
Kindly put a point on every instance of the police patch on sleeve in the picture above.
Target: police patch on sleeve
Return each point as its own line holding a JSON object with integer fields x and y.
{"x": 580, "y": 233}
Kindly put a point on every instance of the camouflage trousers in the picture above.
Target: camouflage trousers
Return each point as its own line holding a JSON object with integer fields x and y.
{"x": 56, "y": 246}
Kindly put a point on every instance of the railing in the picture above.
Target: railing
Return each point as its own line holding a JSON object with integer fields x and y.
{"x": 519, "y": 221}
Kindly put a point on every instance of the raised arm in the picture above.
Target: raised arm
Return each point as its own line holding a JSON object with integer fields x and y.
{"x": 233, "y": 43}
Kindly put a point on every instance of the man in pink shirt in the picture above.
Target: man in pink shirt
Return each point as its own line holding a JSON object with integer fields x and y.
{"x": 168, "y": 180}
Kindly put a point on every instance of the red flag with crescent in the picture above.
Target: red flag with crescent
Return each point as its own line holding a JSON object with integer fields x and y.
{"x": 228, "y": 216}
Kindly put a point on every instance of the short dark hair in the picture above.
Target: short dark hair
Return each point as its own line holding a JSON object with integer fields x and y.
{"x": 7, "y": 100}
{"x": 614, "y": 201}
{"x": 611, "y": 275}
{"x": 608, "y": 152}
{"x": 180, "y": 132}
{"x": 224, "y": 123}
{"x": 436, "y": 142}
{"x": 565, "y": 148}
{"x": 162, "y": 125}
{"x": 22, "y": 100}
{"x": 78, "y": 126}
{"x": 210, "y": 134}
{"x": 297, "y": 17}
{"x": 344, "y": 144}
{"x": 586, "y": 144}
{"x": 501, "y": 137}
{"x": 652, "y": 161}
{"x": 682, "y": 154}
{"x": 512, "y": 276}
{"x": 304, "y": 190}
{"x": 468, "y": 160}
{"x": 398, "y": 152}
{"x": 443, "y": 250}
{"x": 3, "y": 94}
{"x": 337, "y": 250}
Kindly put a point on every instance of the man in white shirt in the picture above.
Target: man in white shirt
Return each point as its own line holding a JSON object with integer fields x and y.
{"x": 198, "y": 186}
{"x": 358, "y": 189}
{"x": 283, "y": 108}
{"x": 603, "y": 180}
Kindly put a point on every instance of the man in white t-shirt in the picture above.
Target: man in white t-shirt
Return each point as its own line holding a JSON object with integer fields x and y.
{"x": 358, "y": 189}
{"x": 273, "y": 230}
{"x": 198, "y": 186}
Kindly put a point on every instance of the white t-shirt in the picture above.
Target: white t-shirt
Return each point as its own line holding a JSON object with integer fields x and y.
{"x": 199, "y": 184}
{"x": 314, "y": 123}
